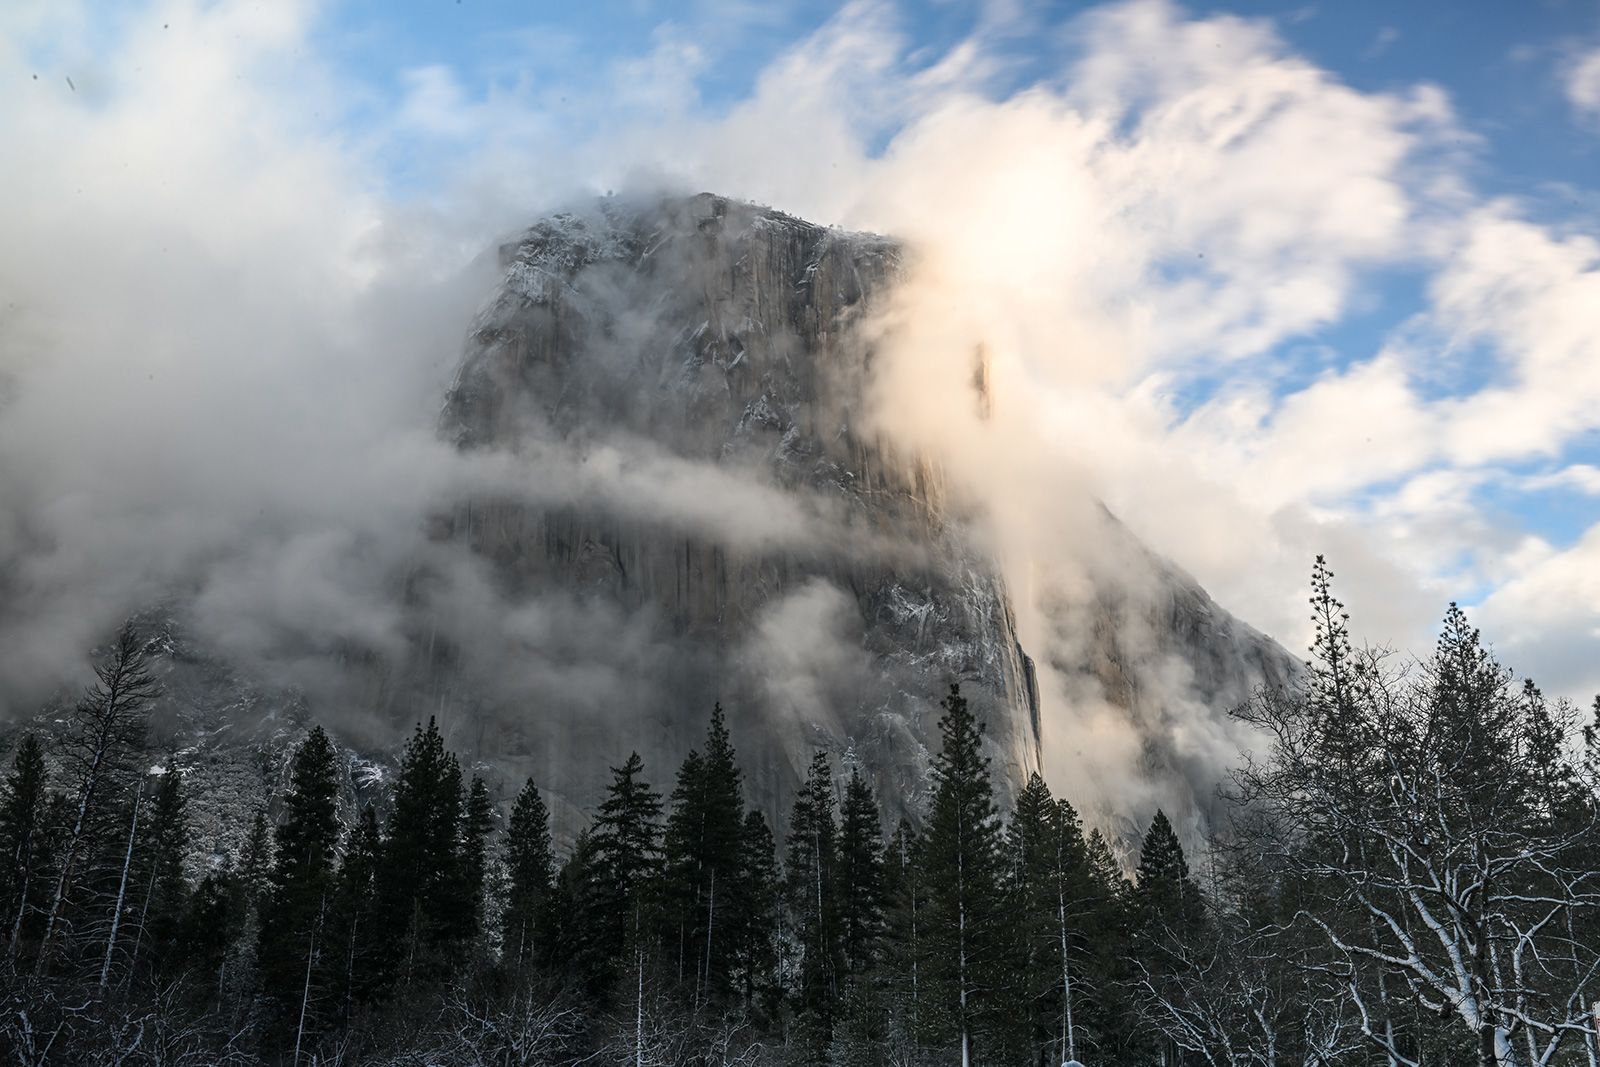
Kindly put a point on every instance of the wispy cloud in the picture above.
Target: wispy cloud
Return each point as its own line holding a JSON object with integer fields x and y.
{"x": 227, "y": 324}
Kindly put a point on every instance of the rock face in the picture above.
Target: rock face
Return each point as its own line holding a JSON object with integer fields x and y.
{"x": 687, "y": 506}
{"x": 721, "y": 334}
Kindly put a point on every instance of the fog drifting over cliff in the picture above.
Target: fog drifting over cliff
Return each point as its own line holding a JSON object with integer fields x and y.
{"x": 228, "y": 323}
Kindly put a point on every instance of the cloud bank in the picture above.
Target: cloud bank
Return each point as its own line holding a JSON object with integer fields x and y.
{"x": 236, "y": 278}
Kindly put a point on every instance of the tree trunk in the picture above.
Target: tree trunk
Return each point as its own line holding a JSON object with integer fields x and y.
{"x": 122, "y": 892}
{"x": 69, "y": 861}
{"x": 305, "y": 991}
{"x": 22, "y": 902}
{"x": 1068, "y": 1038}
{"x": 711, "y": 918}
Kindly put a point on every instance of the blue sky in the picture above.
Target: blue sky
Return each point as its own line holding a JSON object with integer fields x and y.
{"x": 1280, "y": 278}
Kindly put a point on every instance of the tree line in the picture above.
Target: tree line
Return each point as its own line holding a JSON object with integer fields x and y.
{"x": 1407, "y": 876}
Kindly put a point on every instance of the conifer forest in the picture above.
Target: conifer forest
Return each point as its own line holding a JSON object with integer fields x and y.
{"x": 1408, "y": 873}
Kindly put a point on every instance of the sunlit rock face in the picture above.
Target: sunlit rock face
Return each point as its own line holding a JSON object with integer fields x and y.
{"x": 680, "y": 501}
{"x": 725, "y": 336}
{"x": 722, "y": 335}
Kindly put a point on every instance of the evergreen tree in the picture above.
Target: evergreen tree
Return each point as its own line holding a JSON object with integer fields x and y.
{"x": 165, "y": 843}
{"x": 530, "y": 864}
{"x": 587, "y": 931}
{"x": 293, "y": 933}
{"x": 1072, "y": 882}
{"x": 353, "y": 927}
{"x": 906, "y": 947}
{"x": 24, "y": 844}
{"x": 255, "y": 864}
{"x": 810, "y": 873}
{"x": 627, "y": 833}
{"x": 1109, "y": 1027}
{"x": 1168, "y": 911}
{"x": 1167, "y": 897}
{"x": 419, "y": 872}
{"x": 1044, "y": 890}
{"x": 627, "y": 855}
{"x": 961, "y": 857}
{"x": 860, "y": 890}
{"x": 477, "y": 823}
{"x": 754, "y": 930}
{"x": 704, "y": 897}
{"x": 211, "y": 922}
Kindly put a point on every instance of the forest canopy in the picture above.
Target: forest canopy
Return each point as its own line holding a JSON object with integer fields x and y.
{"x": 1407, "y": 872}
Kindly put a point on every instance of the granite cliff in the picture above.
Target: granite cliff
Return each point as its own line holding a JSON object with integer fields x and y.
{"x": 690, "y": 505}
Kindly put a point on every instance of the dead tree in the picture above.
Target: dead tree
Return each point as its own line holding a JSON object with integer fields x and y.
{"x": 105, "y": 732}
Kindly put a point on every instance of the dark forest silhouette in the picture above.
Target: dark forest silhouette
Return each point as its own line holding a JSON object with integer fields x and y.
{"x": 1409, "y": 874}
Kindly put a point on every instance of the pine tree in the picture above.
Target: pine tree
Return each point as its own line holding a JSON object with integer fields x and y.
{"x": 24, "y": 844}
{"x": 211, "y": 922}
{"x": 627, "y": 855}
{"x": 1168, "y": 909}
{"x": 627, "y": 833}
{"x": 419, "y": 873}
{"x": 587, "y": 933}
{"x": 861, "y": 1034}
{"x": 165, "y": 834}
{"x": 353, "y": 927}
{"x": 812, "y": 906}
{"x": 293, "y": 915}
{"x": 255, "y": 864}
{"x": 906, "y": 944}
{"x": 1167, "y": 897}
{"x": 530, "y": 864}
{"x": 1472, "y": 728}
{"x": 701, "y": 861}
{"x": 860, "y": 891}
{"x": 961, "y": 856}
{"x": 754, "y": 929}
{"x": 681, "y": 862}
{"x": 1044, "y": 892}
{"x": 1109, "y": 1019}
{"x": 477, "y": 823}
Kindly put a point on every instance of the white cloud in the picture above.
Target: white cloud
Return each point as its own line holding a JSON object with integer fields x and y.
{"x": 1583, "y": 84}
{"x": 1546, "y": 619}
{"x": 1584, "y": 477}
{"x": 1184, "y": 200}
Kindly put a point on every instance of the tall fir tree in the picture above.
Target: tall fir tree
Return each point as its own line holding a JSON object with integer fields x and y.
{"x": 419, "y": 871}
{"x": 906, "y": 942}
{"x": 1168, "y": 912}
{"x": 627, "y": 853}
{"x": 353, "y": 927}
{"x": 1073, "y": 883}
{"x": 526, "y": 936}
{"x": 860, "y": 879}
{"x": 962, "y": 860}
{"x": 704, "y": 898}
{"x": 586, "y": 933}
{"x": 292, "y": 929}
{"x": 1166, "y": 894}
{"x": 165, "y": 843}
{"x": 476, "y": 824}
{"x": 24, "y": 845}
{"x": 1109, "y": 1031}
{"x": 755, "y": 933}
{"x": 1044, "y": 884}
{"x": 810, "y": 871}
